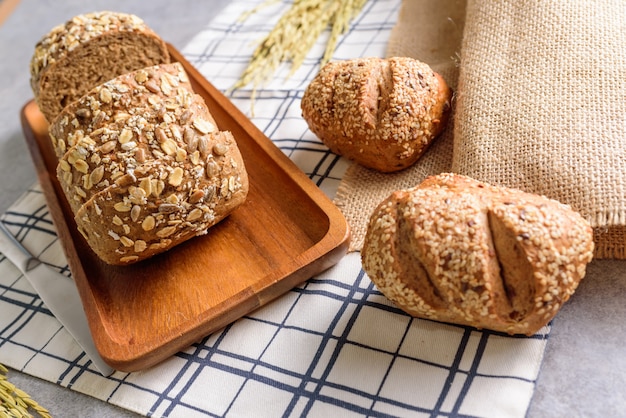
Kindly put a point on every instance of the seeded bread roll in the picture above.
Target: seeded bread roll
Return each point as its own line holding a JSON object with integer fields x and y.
{"x": 162, "y": 205}
{"x": 88, "y": 50}
{"x": 158, "y": 88}
{"x": 112, "y": 152}
{"x": 456, "y": 250}
{"x": 381, "y": 113}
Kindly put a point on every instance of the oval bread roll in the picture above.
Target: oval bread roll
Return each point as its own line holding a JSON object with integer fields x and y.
{"x": 88, "y": 50}
{"x": 460, "y": 251}
{"x": 381, "y": 113}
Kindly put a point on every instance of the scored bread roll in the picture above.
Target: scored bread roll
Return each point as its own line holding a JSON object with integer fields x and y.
{"x": 460, "y": 251}
{"x": 381, "y": 113}
{"x": 88, "y": 50}
{"x": 152, "y": 89}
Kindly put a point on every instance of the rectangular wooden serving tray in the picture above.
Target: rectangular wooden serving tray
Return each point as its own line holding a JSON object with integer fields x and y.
{"x": 287, "y": 231}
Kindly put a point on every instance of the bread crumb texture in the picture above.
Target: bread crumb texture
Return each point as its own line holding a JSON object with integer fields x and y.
{"x": 460, "y": 251}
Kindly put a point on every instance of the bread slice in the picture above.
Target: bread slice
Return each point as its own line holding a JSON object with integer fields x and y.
{"x": 166, "y": 205}
{"x": 89, "y": 50}
{"x": 158, "y": 88}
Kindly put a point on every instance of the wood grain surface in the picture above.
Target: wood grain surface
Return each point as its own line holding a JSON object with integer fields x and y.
{"x": 287, "y": 231}
{"x": 6, "y": 8}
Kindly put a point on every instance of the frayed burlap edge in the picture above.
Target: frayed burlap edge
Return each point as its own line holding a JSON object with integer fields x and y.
{"x": 540, "y": 106}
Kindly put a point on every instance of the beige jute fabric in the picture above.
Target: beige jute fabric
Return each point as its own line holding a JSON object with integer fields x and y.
{"x": 540, "y": 106}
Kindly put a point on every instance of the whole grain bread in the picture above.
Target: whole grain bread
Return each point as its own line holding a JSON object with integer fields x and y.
{"x": 142, "y": 162}
{"x": 460, "y": 251}
{"x": 89, "y": 50}
{"x": 164, "y": 204}
{"x": 381, "y": 113}
{"x": 157, "y": 88}
{"x": 110, "y": 154}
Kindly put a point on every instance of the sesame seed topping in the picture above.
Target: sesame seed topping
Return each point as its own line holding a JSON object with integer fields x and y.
{"x": 449, "y": 249}
{"x": 382, "y": 113}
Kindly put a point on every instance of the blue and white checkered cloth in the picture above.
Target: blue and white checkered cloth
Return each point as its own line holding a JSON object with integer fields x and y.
{"x": 333, "y": 346}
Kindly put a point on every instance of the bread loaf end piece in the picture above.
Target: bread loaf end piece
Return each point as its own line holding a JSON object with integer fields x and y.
{"x": 381, "y": 113}
{"x": 89, "y": 50}
{"x": 112, "y": 153}
{"x": 460, "y": 251}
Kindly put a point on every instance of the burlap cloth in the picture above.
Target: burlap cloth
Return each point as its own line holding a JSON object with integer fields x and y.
{"x": 540, "y": 105}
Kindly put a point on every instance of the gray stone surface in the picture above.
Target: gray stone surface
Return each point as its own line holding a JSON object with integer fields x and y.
{"x": 584, "y": 369}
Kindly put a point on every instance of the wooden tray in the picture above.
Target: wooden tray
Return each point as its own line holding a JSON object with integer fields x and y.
{"x": 285, "y": 232}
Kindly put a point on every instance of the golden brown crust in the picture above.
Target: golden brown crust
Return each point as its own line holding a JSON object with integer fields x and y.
{"x": 110, "y": 154}
{"x": 88, "y": 50}
{"x": 142, "y": 161}
{"x": 165, "y": 204}
{"x": 153, "y": 89}
{"x": 382, "y": 113}
{"x": 456, "y": 250}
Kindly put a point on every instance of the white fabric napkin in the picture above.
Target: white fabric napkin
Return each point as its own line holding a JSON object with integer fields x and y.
{"x": 334, "y": 346}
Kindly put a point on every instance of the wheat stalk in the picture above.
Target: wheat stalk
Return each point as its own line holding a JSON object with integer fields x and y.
{"x": 294, "y": 35}
{"x": 15, "y": 403}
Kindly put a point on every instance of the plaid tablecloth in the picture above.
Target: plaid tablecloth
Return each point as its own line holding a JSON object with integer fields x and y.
{"x": 334, "y": 346}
